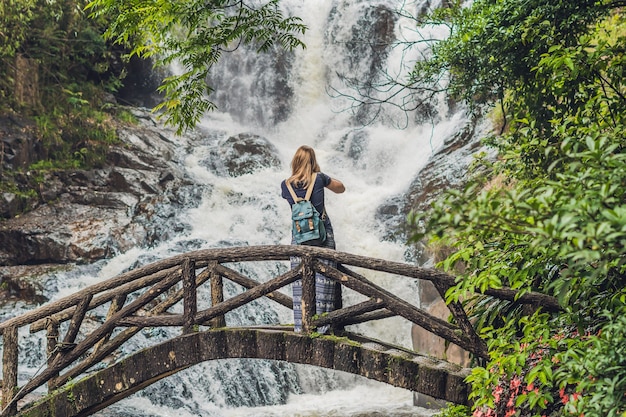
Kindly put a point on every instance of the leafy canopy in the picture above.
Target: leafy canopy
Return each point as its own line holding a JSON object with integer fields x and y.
{"x": 549, "y": 214}
{"x": 194, "y": 34}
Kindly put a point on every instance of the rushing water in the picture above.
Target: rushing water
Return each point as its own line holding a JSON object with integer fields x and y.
{"x": 290, "y": 105}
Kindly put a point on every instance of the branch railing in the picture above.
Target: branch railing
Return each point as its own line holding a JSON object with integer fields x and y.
{"x": 142, "y": 297}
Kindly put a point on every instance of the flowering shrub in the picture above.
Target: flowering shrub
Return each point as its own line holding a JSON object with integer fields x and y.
{"x": 567, "y": 374}
{"x": 555, "y": 221}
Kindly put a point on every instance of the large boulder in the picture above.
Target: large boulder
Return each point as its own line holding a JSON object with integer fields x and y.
{"x": 244, "y": 153}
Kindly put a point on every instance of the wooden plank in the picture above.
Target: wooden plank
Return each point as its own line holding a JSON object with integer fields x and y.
{"x": 340, "y": 316}
{"x": 267, "y": 253}
{"x": 89, "y": 341}
{"x": 67, "y": 307}
{"x": 338, "y": 327}
{"x": 248, "y": 283}
{"x": 363, "y": 318}
{"x": 116, "y": 305}
{"x": 172, "y": 320}
{"x": 77, "y": 319}
{"x": 52, "y": 333}
{"x": 252, "y": 294}
{"x": 458, "y": 312}
{"x": 65, "y": 314}
{"x": 402, "y": 308}
{"x": 108, "y": 347}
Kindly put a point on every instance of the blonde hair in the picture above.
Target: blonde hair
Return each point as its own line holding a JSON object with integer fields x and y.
{"x": 303, "y": 165}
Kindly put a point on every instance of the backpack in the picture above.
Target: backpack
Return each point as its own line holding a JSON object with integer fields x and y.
{"x": 307, "y": 224}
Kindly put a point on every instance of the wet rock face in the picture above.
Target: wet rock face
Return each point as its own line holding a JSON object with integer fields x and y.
{"x": 18, "y": 146}
{"x": 244, "y": 153}
{"x": 447, "y": 169}
{"x": 67, "y": 232}
{"x": 86, "y": 215}
{"x": 22, "y": 282}
{"x": 439, "y": 174}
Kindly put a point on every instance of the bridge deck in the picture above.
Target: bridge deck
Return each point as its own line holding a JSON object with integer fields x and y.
{"x": 351, "y": 353}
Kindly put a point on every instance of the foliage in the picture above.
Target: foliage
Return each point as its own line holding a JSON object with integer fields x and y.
{"x": 15, "y": 16}
{"x": 453, "y": 410}
{"x": 74, "y": 139}
{"x": 61, "y": 43}
{"x": 194, "y": 34}
{"x": 557, "y": 222}
{"x": 69, "y": 67}
{"x": 493, "y": 46}
{"x": 595, "y": 367}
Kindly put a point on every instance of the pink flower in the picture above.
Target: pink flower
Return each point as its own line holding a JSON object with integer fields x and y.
{"x": 496, "y": 393}
{"x": 564, "y": 397}
{"x": 516, "y": 382}
{"x": 511, "y": 402}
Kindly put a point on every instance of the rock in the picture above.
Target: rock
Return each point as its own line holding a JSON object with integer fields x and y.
{"x": 446, "y": 169}
{"x": 354, "y": 143}
{"x": 245, "y": 153}
{"x": 23, "y": 282}
{"x": 20, "y": 147}
{"x": 10, "y": 204}
{"x": 88, "y": 215}
{"x": 425, "y": 341}
{"x": 60, "y": 233}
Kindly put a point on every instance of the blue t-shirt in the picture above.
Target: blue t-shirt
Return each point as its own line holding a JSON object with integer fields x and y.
{"x": 317, "y": 196}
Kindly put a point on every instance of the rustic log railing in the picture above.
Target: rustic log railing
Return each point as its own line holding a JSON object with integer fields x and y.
{"x": 142, "y": 297}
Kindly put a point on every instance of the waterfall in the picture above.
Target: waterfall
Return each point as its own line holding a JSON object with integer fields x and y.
{"x": 292, "y": 99}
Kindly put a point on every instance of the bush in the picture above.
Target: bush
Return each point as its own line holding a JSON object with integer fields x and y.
{"x": 556, "y": 224}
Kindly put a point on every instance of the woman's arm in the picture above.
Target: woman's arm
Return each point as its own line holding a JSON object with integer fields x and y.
{"x": 336, "y": 186}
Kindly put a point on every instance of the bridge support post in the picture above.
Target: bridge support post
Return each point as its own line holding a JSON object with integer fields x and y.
{"x": 308, "y": 293}
{"x": 9, "y": 369}
{"x": 52, "y": 332}
{"x": 190, "y": 302}
{"x": 338, "y": 305}
{"x": 217, "y": 295}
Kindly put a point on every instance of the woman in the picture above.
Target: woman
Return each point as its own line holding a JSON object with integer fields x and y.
{"x": 303, "y": 165}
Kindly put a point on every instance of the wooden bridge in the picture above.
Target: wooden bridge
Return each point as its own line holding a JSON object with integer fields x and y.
{"x": 143, "y": 298}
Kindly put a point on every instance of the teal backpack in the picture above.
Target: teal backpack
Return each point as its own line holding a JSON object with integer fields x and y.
{"x": 307, "y": 224}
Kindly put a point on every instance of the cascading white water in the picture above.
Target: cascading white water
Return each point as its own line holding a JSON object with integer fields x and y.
{"x": 376, "y": 162}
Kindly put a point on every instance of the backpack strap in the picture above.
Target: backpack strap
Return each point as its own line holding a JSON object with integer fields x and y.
{"x": 293, "y": 194}
{"x": 309, "y": 190}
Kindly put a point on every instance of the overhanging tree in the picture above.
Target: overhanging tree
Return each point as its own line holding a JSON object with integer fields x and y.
{"x": 194, "y": 34}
